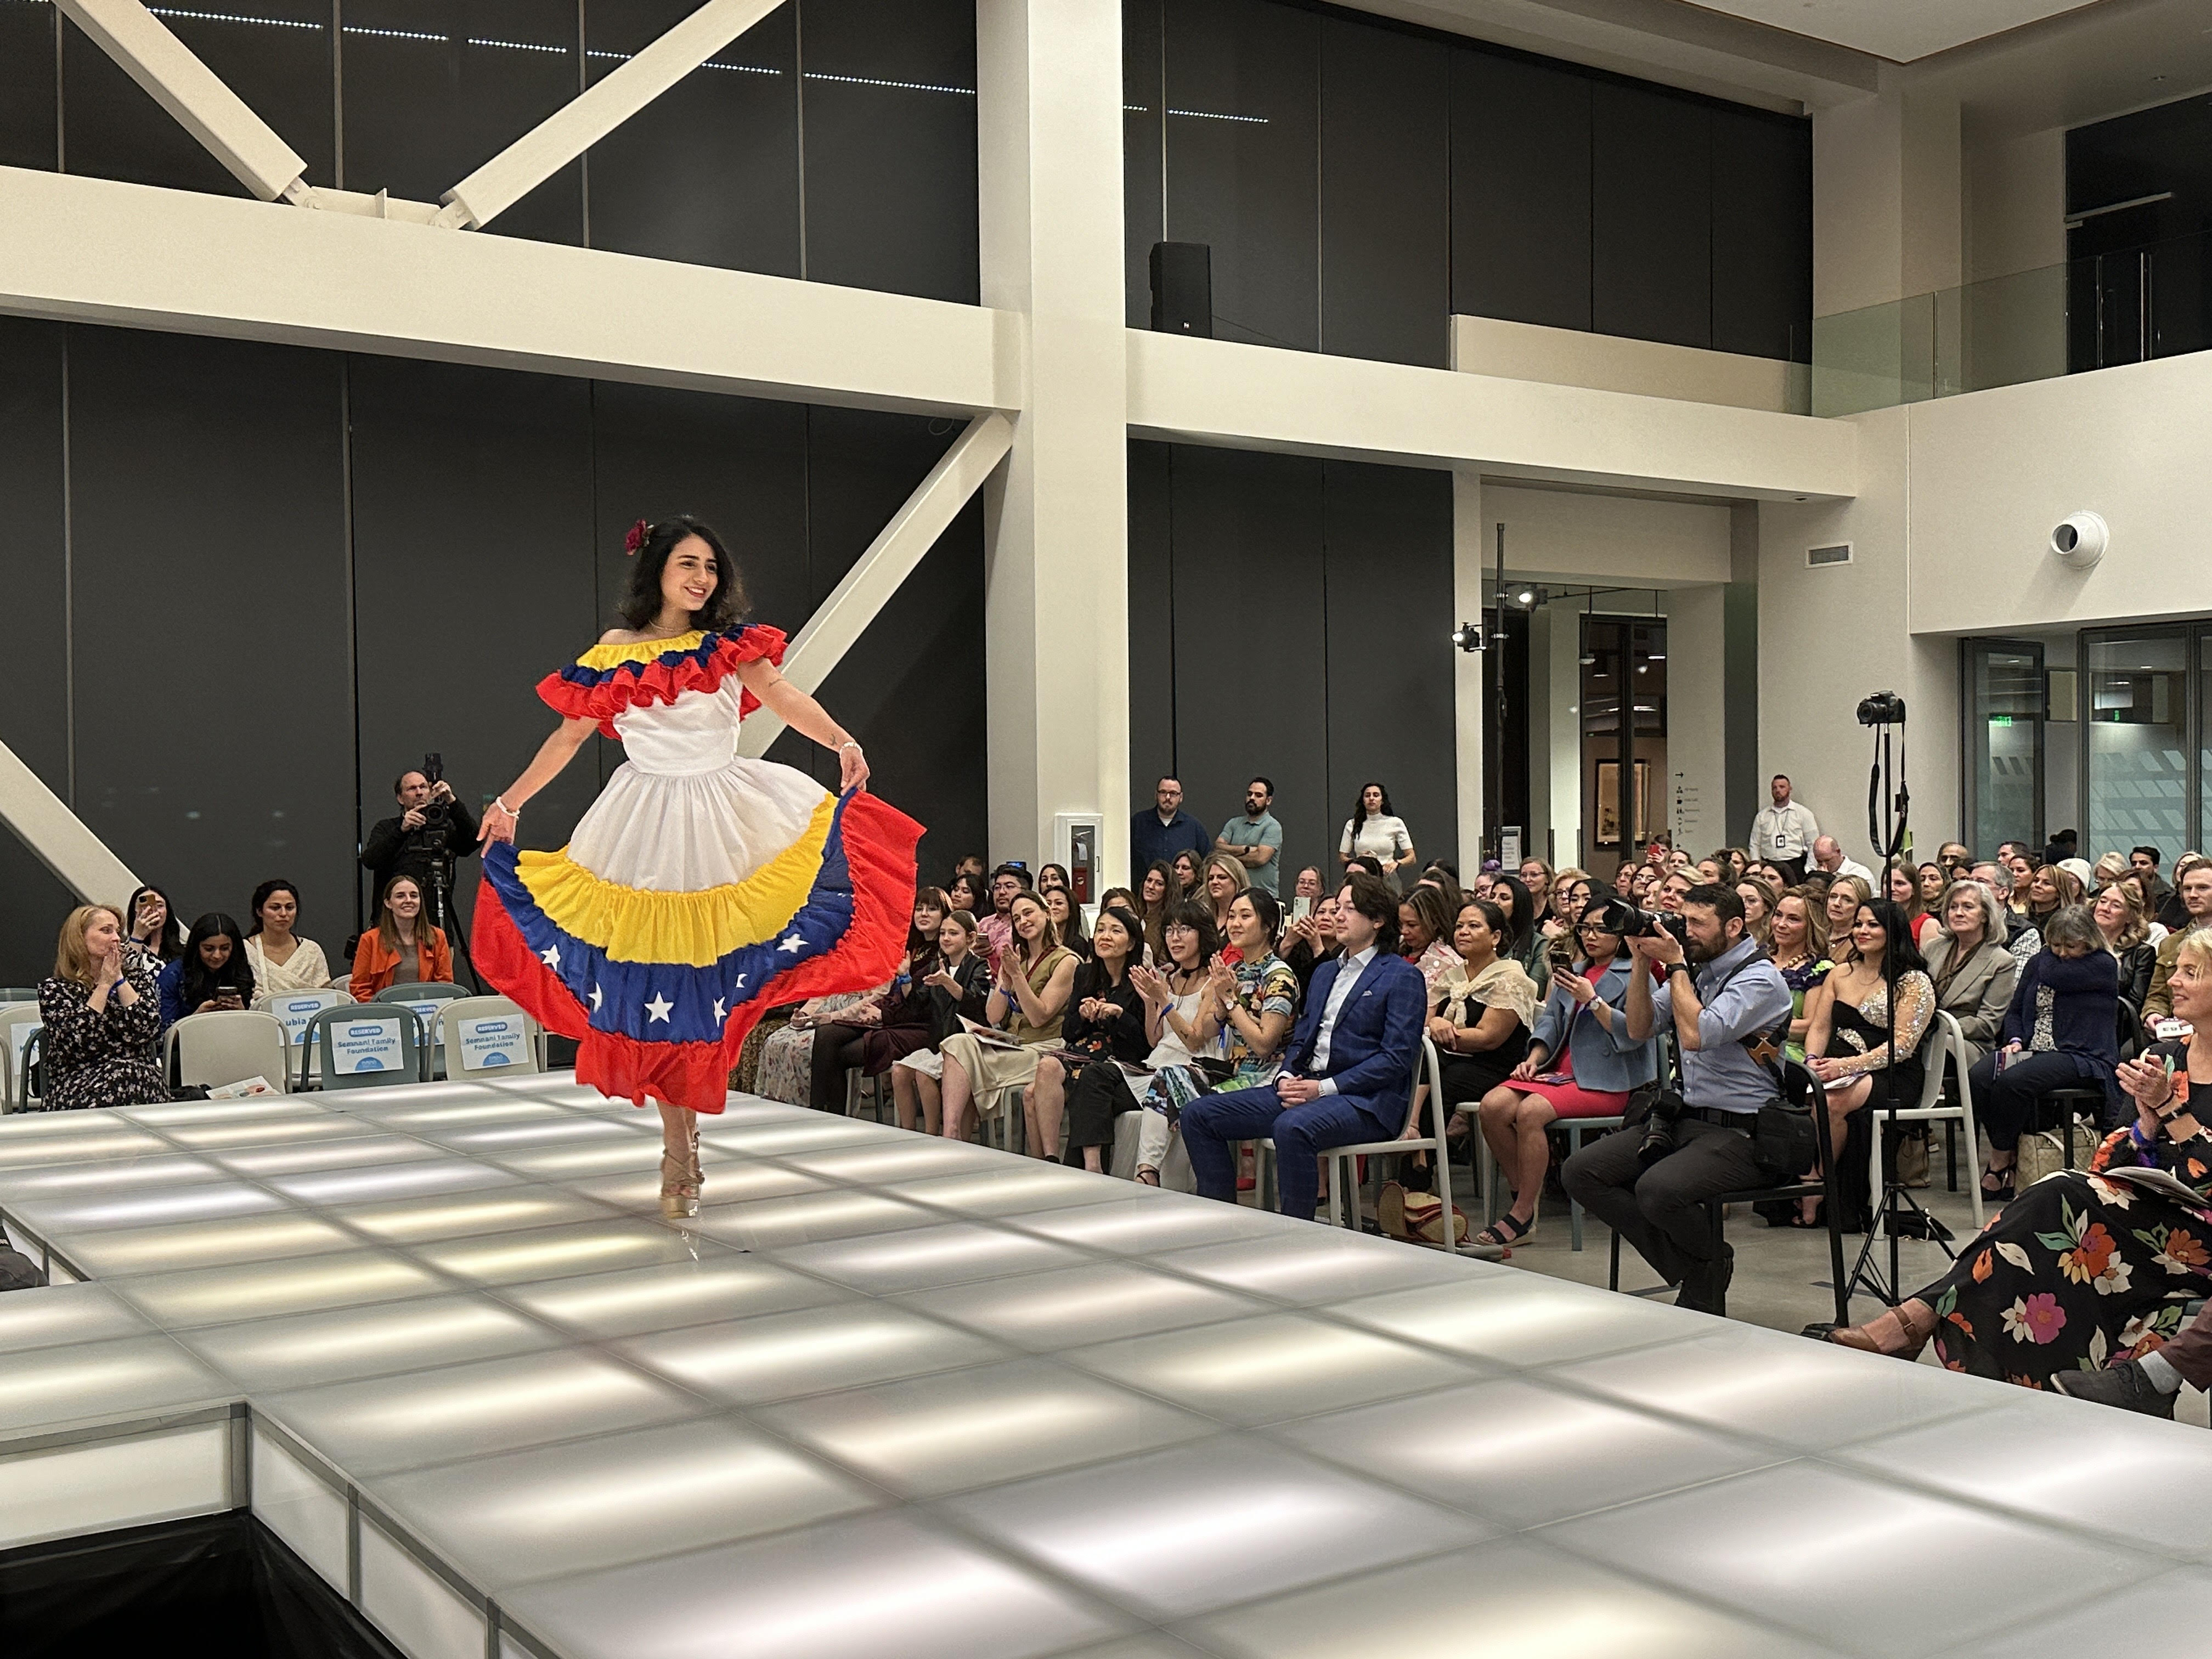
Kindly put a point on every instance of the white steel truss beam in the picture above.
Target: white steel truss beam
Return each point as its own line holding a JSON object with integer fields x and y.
{"x": 838, "y": 622}
{"x": 596, "y": 110}
{"x": 191, "y": 91}
{"x": 79, "y": 858}
{"x": 92, "y": 250}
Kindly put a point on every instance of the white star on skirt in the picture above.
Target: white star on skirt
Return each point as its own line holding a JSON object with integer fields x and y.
{"x": 790, "y": 942}
{"x": 596, "y": 996}
{"x": 659, "y": 1006}
{"x": 550, "y": 955}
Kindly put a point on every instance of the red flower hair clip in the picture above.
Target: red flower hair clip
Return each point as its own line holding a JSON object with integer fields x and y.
{"x": 636, "y": 538}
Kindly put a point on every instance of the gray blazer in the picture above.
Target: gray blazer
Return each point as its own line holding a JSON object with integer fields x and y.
{"x": 1979, "y": 995}
{"x": 1605, "y": 1062}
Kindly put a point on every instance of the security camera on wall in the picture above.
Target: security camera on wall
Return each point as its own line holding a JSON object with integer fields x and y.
{"x": 2080, "y": 540}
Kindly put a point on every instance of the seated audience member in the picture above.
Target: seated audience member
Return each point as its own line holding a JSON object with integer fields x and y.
{"x": 1066, "y": 920}
{"x": 2119, "y": 918}
{"x": 1443, "y": 878}
{"x": 1485, "y": 883}
{"x": 1187, "y": 873}
{"x": 1108, "y": 1022}
{"x": 2155, "y": 932}
{"x": 2058, "y": 1034}
{"x": 1957, "y": 860}
{"x": 1758, "y": 900}
{"x": 2049, "y": 890}
{"x": 1797, "y": 942}
{"x": 1772, "y": 874}
{"x": 965, "y": 892}
{"x": 2107, "y": 870}
{"x": 1224, "y": 879}
{"x": 1480, "y": 1029}
{"x": 972, "y": 865}
{"x": 1828, "y": 856}
{"x": 1845, "y": 894}
{"x": 2019, "y": 935}
{"x": 212, "y": 972}
{"x": 1904, "y": 892}
{"x": 1157, "y": 894}
{"x": 2166, "y": 894}
{"x": 1736, "y": 861}
{"x": 1524, "y": 941}
{"x": 960, "y": 985}
{"x": 1375, "y": 833}
{"x": 1570, "y": 895}
{"x": 1537, "y": 877}
{"x": 1580, "y": 1063}
{"x": 1348, "y": 1071}
{"x": 1624, "y": 879}
{"x": 877, "y": 1031}
{"x": 1851, "y": 1048}
{"x": 1933, "y": 880}
{"x": 1708, "y": 870}
{"x": 1424, "y": 931}
{"x": 1008, "y": 882}
{"x": 2195, "y": 882}
{"x": 1310, "y": 941}
{"x": 1052, "y": 876}
{"x": 282, "y": 962}
{"x": 1721, "y": 997}
{"x": 2087, "y": 1268}
{"x": 1123, "y": 897}
{"x": 1249, "y": 1006}
{"x": 402, "y": 949}
{"x": 1973, "y": 972}
{"x": 1305, "y": 891}
{"x": 1036, "y": 978}
{"x": 1182, "y": 1022}
{"x": 154, "y": 927}
{"x": 101, "y": 1018}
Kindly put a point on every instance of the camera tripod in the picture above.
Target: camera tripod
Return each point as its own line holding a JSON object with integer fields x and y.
{"x": 1889, "y": 804}
{"x": 439, "y": 906}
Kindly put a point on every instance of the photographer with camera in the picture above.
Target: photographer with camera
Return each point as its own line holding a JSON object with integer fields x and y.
{"x": 432, "y": 829}
{"x": 1724, "y": 999}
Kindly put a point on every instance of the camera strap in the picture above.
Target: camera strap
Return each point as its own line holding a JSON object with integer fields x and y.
{"x": 1765, "y": 1046}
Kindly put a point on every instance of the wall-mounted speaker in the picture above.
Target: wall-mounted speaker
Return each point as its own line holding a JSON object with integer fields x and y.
{"x": 1182, "y": 288}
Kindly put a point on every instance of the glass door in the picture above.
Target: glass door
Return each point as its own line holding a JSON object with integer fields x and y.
{"x": 2004, "y": 697}
{"x": 1623, "y": 737}
{"x": 2141, "y": 786}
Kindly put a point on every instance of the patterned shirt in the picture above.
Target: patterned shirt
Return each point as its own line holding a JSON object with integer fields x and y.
{"x": 1263, "y": 987}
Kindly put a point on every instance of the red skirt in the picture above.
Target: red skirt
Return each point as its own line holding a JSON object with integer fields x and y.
{"x": 1569, "y": 1098}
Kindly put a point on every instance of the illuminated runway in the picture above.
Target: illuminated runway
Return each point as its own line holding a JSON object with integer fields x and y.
{"x": 890, "y": 1398}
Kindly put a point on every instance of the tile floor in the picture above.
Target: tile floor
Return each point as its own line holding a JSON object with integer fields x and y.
{"x": 890, "y": 1396}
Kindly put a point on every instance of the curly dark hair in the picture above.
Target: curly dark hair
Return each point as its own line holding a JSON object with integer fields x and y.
{"x": 640, "y": 603}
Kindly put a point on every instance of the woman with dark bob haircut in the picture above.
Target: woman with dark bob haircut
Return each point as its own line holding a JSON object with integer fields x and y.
{"x": 703, "y": 887}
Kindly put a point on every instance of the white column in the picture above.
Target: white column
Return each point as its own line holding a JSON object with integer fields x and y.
{"x": 1472, "y": 556}
{"x": 1566, "y": 735}
{"x": 1049, "y": 113}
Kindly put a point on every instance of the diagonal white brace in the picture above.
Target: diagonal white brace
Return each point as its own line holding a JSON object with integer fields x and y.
{"x": 191, "y": 91}
{"x": 79, "y": 858}
{"x": 596, "y": 110}
{"x": 833, "y": 627}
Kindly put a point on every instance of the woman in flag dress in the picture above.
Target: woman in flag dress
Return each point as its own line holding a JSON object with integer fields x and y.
{"x": 700, "y": 888}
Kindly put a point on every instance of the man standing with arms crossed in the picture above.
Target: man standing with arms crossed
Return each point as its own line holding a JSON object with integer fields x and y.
{"x": 1255, "y": 841}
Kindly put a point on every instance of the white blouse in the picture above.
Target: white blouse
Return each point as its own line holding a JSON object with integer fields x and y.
{"x": 1376, "y": 837}
{"x": 305, "y": 970}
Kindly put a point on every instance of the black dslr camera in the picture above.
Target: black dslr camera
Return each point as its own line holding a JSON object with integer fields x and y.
{"x": 1883, "y": 708}
{"x": 435, "y": 812}
{"x": 1618, "y": 916}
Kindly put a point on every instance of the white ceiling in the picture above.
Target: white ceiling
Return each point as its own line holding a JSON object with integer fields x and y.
{"x": 1900, "y": 30}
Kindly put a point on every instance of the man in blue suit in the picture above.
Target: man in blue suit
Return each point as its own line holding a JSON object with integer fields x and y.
{"x": 1348, "y": 1072}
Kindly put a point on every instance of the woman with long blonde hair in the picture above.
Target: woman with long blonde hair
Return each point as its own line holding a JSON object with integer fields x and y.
{"x": 102, "y": 1016}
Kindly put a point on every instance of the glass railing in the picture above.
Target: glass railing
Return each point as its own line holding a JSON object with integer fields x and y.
{"x": 2122, "y": 307}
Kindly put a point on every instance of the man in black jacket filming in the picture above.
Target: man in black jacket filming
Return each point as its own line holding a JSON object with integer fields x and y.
{"x": 431, "y": 826}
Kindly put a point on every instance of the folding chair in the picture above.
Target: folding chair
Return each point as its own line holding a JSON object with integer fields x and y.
{"x": 426, "y": 999}
{"x": 1487, "y": 1171}
{"x": 1344, "y": 1170}
{"x": 484, "y": 1036}
{"x": 225, "y": 1046}
{"x": 1942, "y": 1042}
{"x": 296, "y": 1008}
{"x": 1799, "y": 1088}
{"x": 365, "y": 1046}
{"x": 19, "y": 1022}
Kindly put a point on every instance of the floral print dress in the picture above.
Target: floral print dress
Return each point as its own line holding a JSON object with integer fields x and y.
{"x": 2081, "y": 1271}
{"x": 107, "y": 1057}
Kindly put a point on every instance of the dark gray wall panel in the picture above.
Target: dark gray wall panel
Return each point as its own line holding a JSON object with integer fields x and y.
{"x": 34, "y": 669}
{"x": 889, "y": 145}
{"x": 474, "y": 578}
{"x": 1389, "y": 661}
{"x": 1520, "y": 190}
{"x": 1651, "y": 216}
{"x": 1248, "y": 588}
{"x": 1242, "y": 162}
{"x": 420, "y": 114}
{"x": 275, "y": 54}
{"x": 911, "y": 688}
{"x": 209, "y": 632}
{"x": 708, "y": 173}
{"x": 1762, "y": 196}
{"x": 1151, "y": 620}
{"x": 1385, "y": 194}
{"x": 27, "y": 80}
{"x": 1144, "y": 138}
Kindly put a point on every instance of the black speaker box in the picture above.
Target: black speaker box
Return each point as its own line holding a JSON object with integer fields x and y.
{"x": 1182, "y": 288}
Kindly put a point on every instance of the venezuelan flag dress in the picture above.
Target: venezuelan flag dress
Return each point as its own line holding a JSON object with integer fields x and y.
{"x": 700, "y": 890}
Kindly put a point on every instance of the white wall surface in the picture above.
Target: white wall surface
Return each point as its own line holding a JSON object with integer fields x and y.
{"x": 2015, "y": 204}
{"x": 1696, "y": 790}
{"x": 1607, "y": 363}
{"x": 1559, "y": 535}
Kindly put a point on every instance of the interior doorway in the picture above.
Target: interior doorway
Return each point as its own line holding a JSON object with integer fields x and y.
{"x": 1623, "y": 737}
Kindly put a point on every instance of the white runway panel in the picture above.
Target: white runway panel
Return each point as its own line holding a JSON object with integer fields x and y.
{"x": 890, "y": 1398}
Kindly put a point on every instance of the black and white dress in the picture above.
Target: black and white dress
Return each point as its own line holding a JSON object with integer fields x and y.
{"x": 105, "y": 1057}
